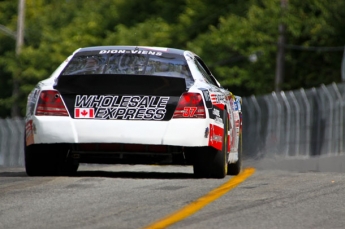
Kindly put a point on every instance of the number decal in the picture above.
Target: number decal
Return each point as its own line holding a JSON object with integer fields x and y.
{"x": 189, "y": 111}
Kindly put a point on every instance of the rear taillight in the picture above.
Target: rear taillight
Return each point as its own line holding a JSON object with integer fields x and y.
{"x": 191, "y": 105}
{"x": 50, "y": 103}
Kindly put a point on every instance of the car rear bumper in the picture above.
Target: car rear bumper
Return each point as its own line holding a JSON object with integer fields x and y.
{"x": 176, "y": 132}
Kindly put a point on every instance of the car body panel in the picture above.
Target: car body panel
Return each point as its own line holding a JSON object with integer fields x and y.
{"x": 178, "y": 132}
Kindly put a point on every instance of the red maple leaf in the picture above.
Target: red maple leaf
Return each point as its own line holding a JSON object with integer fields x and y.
{"x": 84, "y": 113}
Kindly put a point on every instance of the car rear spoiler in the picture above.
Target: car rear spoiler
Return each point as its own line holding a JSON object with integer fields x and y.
{"x": 96, "y": 84}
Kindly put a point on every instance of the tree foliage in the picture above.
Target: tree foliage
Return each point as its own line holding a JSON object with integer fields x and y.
{"x": 237, "y": 39}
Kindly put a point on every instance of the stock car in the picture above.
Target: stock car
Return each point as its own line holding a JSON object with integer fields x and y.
{"x": 132, "y": 105}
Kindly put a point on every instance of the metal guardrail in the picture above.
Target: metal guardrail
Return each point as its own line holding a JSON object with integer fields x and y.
{"x": 299, "y": 123}
{"x": 11, "y": 142}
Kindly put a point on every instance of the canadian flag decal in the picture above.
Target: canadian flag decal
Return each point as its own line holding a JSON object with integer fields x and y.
{"x": 84, "y": 113}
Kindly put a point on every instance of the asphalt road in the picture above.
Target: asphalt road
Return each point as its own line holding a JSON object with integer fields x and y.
{"x": 124, "y": 196}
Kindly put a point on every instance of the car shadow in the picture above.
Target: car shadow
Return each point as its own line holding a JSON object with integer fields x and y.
{"x": 13, "y": 174}
{"x": 112, "y": 174}
{"x": 134, "y": 175}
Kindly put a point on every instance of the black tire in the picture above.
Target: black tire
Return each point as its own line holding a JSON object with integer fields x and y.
{"x": 48, "y": 160}
{"x": 39, "y": 161}
{"x": 204, "y": 156}
{"x": 210, "y": 162}
{"x": 235, "y": 168}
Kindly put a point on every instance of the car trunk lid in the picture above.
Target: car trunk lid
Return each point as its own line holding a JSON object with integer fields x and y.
{"x": 121, "y": 97}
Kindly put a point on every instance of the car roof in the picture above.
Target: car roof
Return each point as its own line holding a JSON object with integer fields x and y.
{"x": 141, "y": 48}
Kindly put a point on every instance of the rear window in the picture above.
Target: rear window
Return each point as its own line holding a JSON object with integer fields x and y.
{"x": 165, "y": 64}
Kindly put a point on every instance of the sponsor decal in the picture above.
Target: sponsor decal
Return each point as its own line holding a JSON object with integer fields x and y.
{"x": 84, "y": 113}
{"x": 216, "y": 136}
{"x": 218, "y": 120}
{"x": 143, "y": 52}
{"x": 237, "y": 124}
{"x": 213, "y": 89}
{"x": 237, "y": 103}
{"x": 234, "y": 106}
{"x": 216, "y": 112}
{"x": 218, "y": 100}
{"x": 123, "y": 107}
{"x": 236, "y": 115}
{"x": 237, "y": 120}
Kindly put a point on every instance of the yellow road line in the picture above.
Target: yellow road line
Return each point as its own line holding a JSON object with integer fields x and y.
{"x": 203, "y": 201}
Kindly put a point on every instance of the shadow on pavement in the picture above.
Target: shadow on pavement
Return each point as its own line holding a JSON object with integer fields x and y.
{"x": 20, "y": 172}
{"x": 135, "y": 175}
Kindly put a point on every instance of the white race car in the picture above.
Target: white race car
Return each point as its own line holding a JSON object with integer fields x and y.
{"x": 132, "y": 105}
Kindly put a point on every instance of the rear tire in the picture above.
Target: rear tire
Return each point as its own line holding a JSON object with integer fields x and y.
{"x": 48, "y": 160}
{"x": 210, "y": 162}
{"x": 235, "y": 168}
{"x": 39, "y": 161}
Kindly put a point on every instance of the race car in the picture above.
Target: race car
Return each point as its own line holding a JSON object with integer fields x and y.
{"x": 132, "y": 105}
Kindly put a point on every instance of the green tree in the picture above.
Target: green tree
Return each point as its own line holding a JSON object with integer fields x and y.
{"x": 319, "y": 24}
{"x": 237, "y": 39}
{"x": 234, "y": 40}
{"x": 8, "y": 19}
